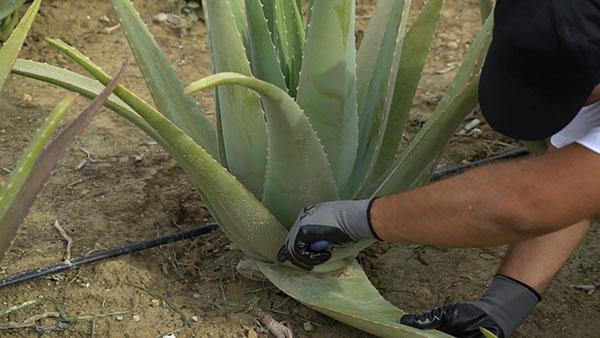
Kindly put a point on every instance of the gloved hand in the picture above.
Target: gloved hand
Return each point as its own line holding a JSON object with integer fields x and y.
{"x": 338, "y": 222}
{"x": 504, "y": 306}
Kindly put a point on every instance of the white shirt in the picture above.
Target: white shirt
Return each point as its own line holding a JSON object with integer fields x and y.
{"x": 583, "y": 129}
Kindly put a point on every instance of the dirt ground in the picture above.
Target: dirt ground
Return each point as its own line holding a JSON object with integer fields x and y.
{"x": 135, "y": 191}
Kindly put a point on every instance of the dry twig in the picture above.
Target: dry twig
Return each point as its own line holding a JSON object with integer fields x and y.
{"x": 66, "y": 237}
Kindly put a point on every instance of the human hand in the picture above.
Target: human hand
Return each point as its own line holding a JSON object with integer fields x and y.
{"x": 322, "y": 225}
{"x": 504, "y": 306}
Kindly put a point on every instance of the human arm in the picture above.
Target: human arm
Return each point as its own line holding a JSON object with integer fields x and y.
{"x": 531, "y": 264}
{"x": 496, "y": 204}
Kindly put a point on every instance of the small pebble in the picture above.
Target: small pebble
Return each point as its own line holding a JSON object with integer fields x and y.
{"x": 252, "y": 334}
{"x": 119, "y": 318}
{"x": 155, "y": 302}
{"x": 194, "y": 319}
{"x": 452, "y": 45}
{"x": 308, "y": 327}
{"x": 136, "y": 318}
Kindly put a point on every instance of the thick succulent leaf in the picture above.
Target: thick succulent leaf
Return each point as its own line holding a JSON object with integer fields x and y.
{"x": 164, "y": 84}
{"x": 537, "y": 147}
{"x": 8, "y": 24}
{"x": 366, "y": 58}
{"x": 345, "y": 295}
{"x": 374, "y": 110}
{"x": 486, "y": 333}
{"x": 289, "y": 38}
{"x": 412, "y": 61}
{"x": 263, "y": 55}
{"x": 459, "y": 100}
{"x": 14, "y": 207}
{"x": 240, "y": 20}
{"x": 429, "y": 140}
{"x": 84, "y": 86}
{"x": 269, "y": 11}
{"x": 485, "y": 8}
{"x": 241, "y": 116}
{"x": 298, "y": 173}
{"x": 36, "y": 165}
{"x": 309, "y": 10}
{"x": 7, "y": 7}
{"x": 12, "y": 46}
{"x": 327, "y": 88}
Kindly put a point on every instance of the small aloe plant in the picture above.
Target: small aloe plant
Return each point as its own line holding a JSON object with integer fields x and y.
{"x": 9, "y": 16}
{"x": 301, "y": 118}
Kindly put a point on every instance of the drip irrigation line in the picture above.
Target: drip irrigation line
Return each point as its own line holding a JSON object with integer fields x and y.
{"x": 98, "y": 256}
{"x": 453, "y": 170}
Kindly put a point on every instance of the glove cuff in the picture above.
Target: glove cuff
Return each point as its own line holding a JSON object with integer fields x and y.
{"x": 356, "y": 220}
{"x": 508, "y": 302}
{"x": 369, "y": 219}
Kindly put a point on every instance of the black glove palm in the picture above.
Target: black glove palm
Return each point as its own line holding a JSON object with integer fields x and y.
{"x": 503, "y": 307}
{"x": 460, "y": 320}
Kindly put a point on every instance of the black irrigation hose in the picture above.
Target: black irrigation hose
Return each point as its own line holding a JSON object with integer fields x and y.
{"x": 505, "y": 156}
{"x": 98, "y": 256}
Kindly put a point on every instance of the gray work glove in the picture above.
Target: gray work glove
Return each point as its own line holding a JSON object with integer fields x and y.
{"x": 504, "y": 306}
{"x": 322, "y": 225}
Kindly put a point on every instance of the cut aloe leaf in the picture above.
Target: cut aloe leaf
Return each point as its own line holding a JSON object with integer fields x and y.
{"x": 345, "y": 295}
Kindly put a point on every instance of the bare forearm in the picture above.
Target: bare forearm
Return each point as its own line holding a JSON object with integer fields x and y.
{"x": 497, "y": 204}
{"x": 549, "y": 252}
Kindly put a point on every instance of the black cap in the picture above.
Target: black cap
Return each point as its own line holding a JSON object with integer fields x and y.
{"x": 542, "y": 65}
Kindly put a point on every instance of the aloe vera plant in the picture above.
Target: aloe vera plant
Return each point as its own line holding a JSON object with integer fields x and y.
{"x": 301, "y": 118}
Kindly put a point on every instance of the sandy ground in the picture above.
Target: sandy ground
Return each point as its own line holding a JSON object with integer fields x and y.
{"x": 135, "y": 191}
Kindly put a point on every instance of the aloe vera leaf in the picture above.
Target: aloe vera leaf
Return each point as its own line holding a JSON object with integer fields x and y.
{"x": 327, "y": 87}
{"x": 412, "y": 61}
{"x": 8, "y": 7}
{"x": 459, "y": 100}
{"x": 289, "y": 39}
{"x": 269, "y": 12}
{"x": 36, "y": 165}
{"x": 240, "y": 20}
{"x": 345, "y": 295}
{"x": 486, "y": 333}
{"x": 366, "y": 58}
{"x": 374, "y": 111}
{"x": 84, "y": 86}
{"x": 133, "y": 101}
{"x": 219, "y": 121}
{"x": 12, "y": 46}
{"x": 8, "y": 24}
{"x": 165, "y": 86}
{"x": 432, "y": 137}
{"x": 485, "y": 8}
{"x": 309, "y": 10}
{"x": 9, "y": 223}
{"x": 263, "y": 55}
{"x": 240, "y": 112}
{"x": 298, "y": 173}
{"x": 537, "y": 147}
